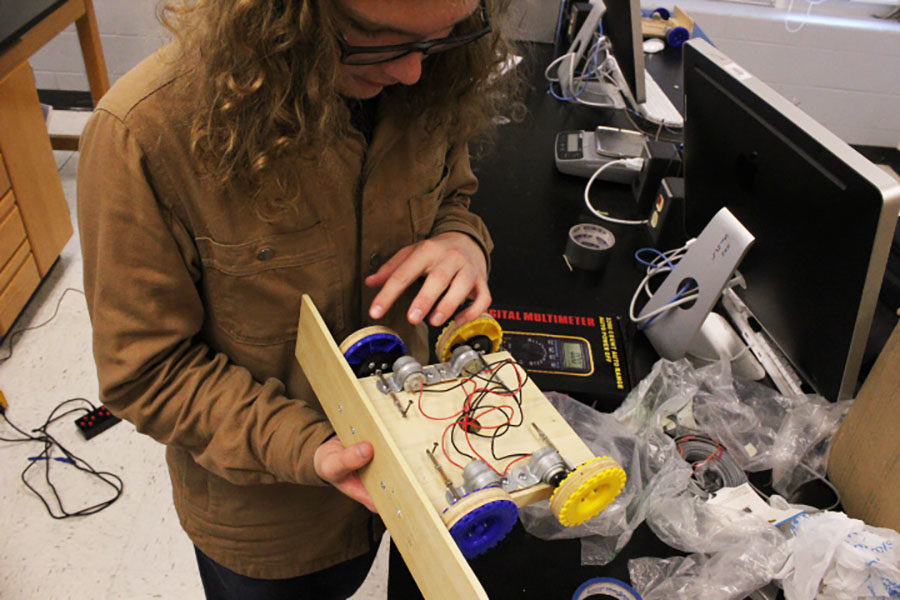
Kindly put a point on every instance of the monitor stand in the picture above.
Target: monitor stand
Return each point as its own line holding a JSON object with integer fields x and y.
{"x": 705, "y": 270}
{"x": 779, "y": 370}
{"x": 602, "y": 94}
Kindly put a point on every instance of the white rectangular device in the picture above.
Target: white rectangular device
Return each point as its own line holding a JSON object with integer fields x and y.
{"x": 583, "y": 152}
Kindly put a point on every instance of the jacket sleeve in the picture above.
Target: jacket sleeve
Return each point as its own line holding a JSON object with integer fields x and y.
{"x": 453, "y": 214}
{"x": 146, "y": 313}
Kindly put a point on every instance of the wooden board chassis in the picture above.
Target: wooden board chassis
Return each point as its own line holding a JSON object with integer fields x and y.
{"x": 405, "y": 488}
{"x": 433, "y": 558}
{"x": 415, "y": 433}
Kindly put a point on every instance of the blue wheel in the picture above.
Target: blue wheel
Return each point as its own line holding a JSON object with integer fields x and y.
{"x": 662, "y": 13}
{"x": 372, "y": 349}
{"x": 483, "y": 527}
{"x": 677, "y": 36}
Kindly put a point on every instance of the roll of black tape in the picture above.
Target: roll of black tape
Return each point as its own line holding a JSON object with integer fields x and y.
{"x": 588, "y": 246}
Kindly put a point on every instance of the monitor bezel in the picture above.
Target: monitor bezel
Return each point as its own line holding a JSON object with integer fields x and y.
{"x": 807, "y": 133}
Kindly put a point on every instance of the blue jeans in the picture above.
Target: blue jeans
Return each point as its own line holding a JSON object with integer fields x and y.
{"x": 334, "y": 583}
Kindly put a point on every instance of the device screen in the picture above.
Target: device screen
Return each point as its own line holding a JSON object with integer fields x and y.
{"x": 569, "y": 145}
{"x": 544, "y": 353}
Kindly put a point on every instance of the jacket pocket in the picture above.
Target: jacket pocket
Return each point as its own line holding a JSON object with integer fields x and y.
{"x": 253, "y": 289}
{"x": 423, "y": 208}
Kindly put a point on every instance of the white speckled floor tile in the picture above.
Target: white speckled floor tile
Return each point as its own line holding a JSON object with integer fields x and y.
{"x": 134, "y": 549}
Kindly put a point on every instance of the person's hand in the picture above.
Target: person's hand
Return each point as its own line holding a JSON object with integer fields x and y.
{"x": 454, "y": 265}
{"x": 337, "y": 465}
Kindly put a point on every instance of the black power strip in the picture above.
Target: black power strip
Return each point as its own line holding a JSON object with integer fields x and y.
{"x": 96, "y": 422}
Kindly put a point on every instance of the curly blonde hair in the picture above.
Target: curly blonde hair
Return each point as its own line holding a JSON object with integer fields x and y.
{"x": 267, "y": 75}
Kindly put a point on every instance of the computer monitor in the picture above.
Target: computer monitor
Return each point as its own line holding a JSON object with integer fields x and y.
{"x": 622, "y": 27}
{"x": 823, "y": 215}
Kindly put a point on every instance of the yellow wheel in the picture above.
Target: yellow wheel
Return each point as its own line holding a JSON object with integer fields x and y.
{"x": 587, "y": 490}
{"x": 483, "y": 334}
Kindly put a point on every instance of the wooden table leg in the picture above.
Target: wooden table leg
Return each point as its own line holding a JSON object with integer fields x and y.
{"x": 92, "y": 51}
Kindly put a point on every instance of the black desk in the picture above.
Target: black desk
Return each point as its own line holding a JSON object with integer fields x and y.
{"x": 529, "y": 207}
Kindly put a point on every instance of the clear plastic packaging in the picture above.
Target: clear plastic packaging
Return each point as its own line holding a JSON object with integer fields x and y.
{"x": 654, "y": 471}
{"x": 690, "y": 524}
{"x": 761, "y": 428}
{"x": 731, "y": 574}
{"x": 834, "y": 557}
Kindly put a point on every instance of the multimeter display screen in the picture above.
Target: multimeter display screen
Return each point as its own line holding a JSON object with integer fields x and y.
{"x": 573, "y": 356}
{"x": 572, "y": 142}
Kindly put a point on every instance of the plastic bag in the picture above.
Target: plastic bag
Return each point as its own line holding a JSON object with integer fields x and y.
{"x": 654, "y": 471}
{"x": 834, "y": 557}
{"x": 690, "y": 524}
{"x": 728, "y": 575}
{"x": 761, "y": 428}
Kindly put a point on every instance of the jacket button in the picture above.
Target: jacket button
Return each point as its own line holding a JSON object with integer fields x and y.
{"x": 375, "y": 261}
{"x": 265, "y": 254}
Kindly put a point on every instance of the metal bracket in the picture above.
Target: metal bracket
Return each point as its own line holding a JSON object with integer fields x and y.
{"x": 461, "y": 361}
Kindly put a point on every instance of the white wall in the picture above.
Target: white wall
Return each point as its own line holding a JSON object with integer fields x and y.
{"x": 129, "y": 31}
{"x": 842, "y": 66}
{"x": 837, "y": 63}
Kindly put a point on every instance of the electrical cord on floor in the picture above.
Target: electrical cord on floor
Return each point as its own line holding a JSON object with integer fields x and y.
{"x": 12, "y": 336}
{"x": 52, "y": 450}
{"x": 46, "y": 457}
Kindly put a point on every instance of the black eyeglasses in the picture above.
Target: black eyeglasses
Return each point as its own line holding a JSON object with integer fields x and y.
{"x": 373, "y": 55}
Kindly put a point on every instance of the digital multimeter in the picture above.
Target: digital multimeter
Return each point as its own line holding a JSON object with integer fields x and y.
{"x": 548, "y": 353}
{"x": 583, "y": 152}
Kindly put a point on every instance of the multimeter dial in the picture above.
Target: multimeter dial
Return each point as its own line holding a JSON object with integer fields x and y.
{"x": 544, "y": 353}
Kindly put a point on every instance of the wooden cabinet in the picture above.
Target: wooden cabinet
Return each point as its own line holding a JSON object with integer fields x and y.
{"x": 34, "y": 217}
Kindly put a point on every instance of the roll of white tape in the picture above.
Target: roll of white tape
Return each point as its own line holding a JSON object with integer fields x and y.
{"x": 606, "y": 587}
{"x": 588, "y": 246}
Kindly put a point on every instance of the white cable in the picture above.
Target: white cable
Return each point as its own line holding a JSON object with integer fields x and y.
{"x": 670, "y": 256}
{"x": 552, "y": 64}
{"x": 634, "y": 163}
{"x": 661, "y": 309}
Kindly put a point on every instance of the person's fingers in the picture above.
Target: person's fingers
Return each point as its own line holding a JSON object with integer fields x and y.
{"x": 353, "y": 488}
{"x": 481, "y": 300}
{"x": 447, "y": 284}
{"x": 410, "y": 266}
{"x": 337, "y": 466}
{"x": 460, "y": 288}
{"x": 334, "y": 462}
{"x": 454, "y": 267}
{"x": 387, "y": 269}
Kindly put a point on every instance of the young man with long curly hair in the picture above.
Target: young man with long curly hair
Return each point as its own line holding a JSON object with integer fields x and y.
{"x": 276, "y": 148}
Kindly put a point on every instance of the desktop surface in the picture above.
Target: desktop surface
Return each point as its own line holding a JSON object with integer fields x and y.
{"x": 529, "y": 207}
{"x": 17, "y": 16}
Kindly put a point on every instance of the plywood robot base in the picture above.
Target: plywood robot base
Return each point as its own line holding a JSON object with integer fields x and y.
{"x": 409, "y": 433}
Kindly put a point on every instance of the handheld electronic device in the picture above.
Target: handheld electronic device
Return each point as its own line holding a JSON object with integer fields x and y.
{"x": 583, "y": 152}
{"x": 549, "y": 353}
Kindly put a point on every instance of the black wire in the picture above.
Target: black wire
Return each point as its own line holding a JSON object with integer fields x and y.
{"x": 493, "y": 385}
{"x": 517, "y": 397}
{"x": 50, "y": 443}
{"x": 12, "y": 336}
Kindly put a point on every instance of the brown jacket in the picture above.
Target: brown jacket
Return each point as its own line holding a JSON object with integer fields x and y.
{"x": 194, "y": 303}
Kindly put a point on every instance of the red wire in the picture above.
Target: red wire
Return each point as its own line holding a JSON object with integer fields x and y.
{"x": 465, "y": 423}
